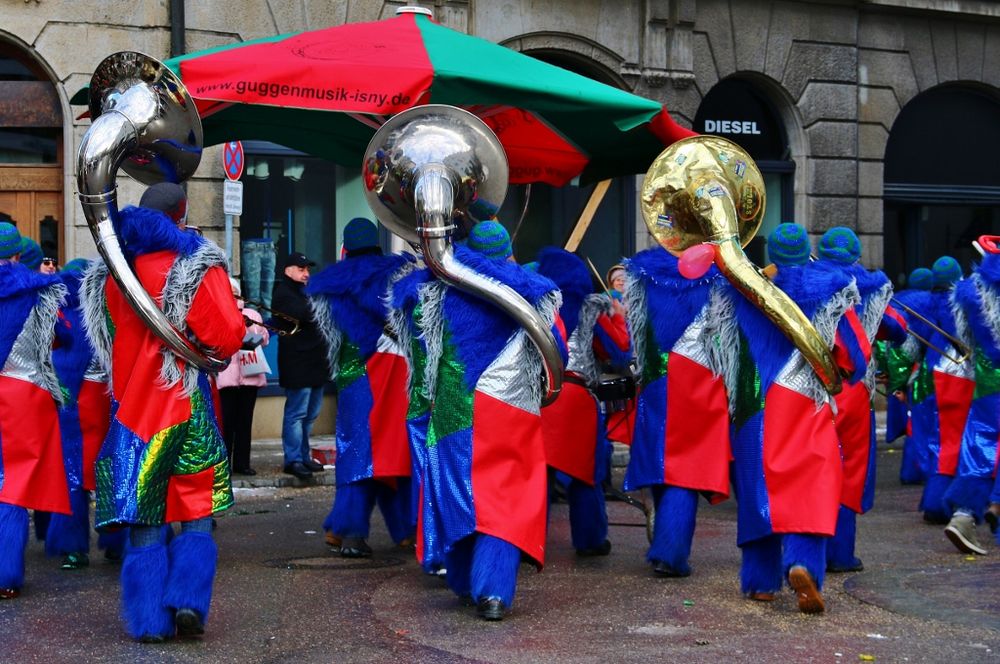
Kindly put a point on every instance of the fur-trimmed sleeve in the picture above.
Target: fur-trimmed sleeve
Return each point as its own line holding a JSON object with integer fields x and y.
{"x": 93, "y": 306}
{"x": 328, "y": 329}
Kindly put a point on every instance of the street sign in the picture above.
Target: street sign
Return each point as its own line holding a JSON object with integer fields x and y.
{"x": 232, "y": 197}
{"x": 232, "y": 160}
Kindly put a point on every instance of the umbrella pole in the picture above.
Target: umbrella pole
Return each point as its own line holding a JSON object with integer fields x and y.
{"x": 587, "y": 216}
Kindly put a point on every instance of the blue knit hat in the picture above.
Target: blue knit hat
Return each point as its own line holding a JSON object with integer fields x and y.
{"x": 788, "y": 244}
{"x": 840, "y": 244}
{"x": 76, "y": 265}
{"x": 31, "y": 254}
{"x": 946, "y": 271}
{"x": 10, "y": 240}
{"x": 491, "y": 239}
{"x": 360, "y": 233}
{"x": 921, "y": 279}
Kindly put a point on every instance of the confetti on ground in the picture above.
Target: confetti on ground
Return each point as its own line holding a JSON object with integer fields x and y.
{"x": 688, "y": 602}
{"x": 866, "y": 658}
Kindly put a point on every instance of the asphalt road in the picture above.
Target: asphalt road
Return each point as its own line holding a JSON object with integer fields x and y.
{"x": 282, "y": 596}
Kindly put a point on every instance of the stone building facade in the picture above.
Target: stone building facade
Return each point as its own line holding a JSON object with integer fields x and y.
{"x": 835, "y": 74}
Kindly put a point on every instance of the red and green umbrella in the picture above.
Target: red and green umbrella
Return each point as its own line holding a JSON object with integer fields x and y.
{"x": 554, "y": 124}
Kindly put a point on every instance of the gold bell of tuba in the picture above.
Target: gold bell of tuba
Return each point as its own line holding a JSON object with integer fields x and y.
{"x": 144, "y": 121}
{"x": 706, "y": 189}
{"x": 425, "y": 167}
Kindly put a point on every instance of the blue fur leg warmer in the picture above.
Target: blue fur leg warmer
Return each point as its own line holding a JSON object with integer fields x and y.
{"x": 144, "y": 577}
{"x": 588, "y": 515}
{"x": 910, "y": 471}
{"x": 808, "y": 551}
{"x": 395, "y": 507}
{"x": 193, "y": 557}
{"x": 494, "y": 569}
{"x": 840, "y": 547}
{"x": 760, "y": 569}
{"x": 352, "y": 509}
{"x": 70, "y": 533}
{"x": 673, "y": 530}
{"x": 458, "y": 562}
{"x": 970, "y": 493}
{"x": 932, "y": 502}
{"x": 13, "y": 540}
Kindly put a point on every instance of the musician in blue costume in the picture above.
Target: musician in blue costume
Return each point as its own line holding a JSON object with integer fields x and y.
{"x": 787, "y": 471}
{"x": 976, "y": 303}
{"x": 576, "y": 444}
{"x": 900, "y": 366}
{"x": 32, "y": 472}
{"x": 945, "y": 412}
{"x": 681, "y": 440}
{"x": 484, "y": 480}
{"x": 369, "y": 370}
{"x": 840, "y": 249}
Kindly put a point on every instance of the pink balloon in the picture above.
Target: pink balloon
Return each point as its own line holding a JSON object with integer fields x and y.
{"x": 695, "y": 261}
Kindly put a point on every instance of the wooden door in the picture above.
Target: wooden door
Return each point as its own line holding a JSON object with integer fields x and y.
{"x": 31, "y": 198}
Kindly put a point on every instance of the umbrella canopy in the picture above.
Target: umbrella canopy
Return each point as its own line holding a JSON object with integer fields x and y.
{"x": 554, "y": 125}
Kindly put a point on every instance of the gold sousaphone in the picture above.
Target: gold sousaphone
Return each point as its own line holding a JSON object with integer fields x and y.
{"x": 706, "y": 189}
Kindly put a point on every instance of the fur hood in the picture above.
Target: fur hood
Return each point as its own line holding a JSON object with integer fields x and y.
{"x": 570, "y": 274}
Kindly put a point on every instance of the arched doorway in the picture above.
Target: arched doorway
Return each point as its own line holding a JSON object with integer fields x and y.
{"x": 941, "y": 189}
{"x": 31, "y": 153}
{"x": 738, "y": 109}
{"x": 550, "y": 213}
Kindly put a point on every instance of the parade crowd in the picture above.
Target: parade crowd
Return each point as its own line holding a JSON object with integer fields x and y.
{"x": 440, "y": 419}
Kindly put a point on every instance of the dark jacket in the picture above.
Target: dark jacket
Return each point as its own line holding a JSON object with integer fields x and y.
{"x": 302, "y": 356}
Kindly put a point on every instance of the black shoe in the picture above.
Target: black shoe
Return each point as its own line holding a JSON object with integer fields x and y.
{"x": 298, "y": 469}
{"x": 855, "y": 566}
{"x": 314, "y": 466}
{"x": 355, "y": 547}
{"x": 188, "y": 623}
{"x": 246, "y": 471}
{"x": 75, "y": 561}
{"x": 660, "y": 568}
{"x": 992, "y": 520}
{"x": 602, "y": 550}
{"x": 491, "y": 608}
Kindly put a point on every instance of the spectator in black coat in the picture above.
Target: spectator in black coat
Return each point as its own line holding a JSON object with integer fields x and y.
{"x": 302, "y": 367}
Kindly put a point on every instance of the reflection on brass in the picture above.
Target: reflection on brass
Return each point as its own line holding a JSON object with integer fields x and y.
{"x": 708, "y": 189}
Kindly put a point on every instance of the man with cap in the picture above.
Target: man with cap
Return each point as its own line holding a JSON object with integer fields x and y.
{"x": 164, "y": 459}
{"x": 787, "y": 471}
{"x": 952, "y": 385}
{"x": 302, "y": 367}
{"x": 484, "y": 478}
{"x": 840, "y": 250}
{"x": 32, "y": 473}
{"x": 369, "y": 370}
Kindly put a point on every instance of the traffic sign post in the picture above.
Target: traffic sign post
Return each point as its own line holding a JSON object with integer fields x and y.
{"x": 232, "y": 189}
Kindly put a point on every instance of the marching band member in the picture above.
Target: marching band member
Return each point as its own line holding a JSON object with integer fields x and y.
{"x": 680, "y": 445}
{"x": 32, "y": 472}
{"x": 787, "y": 471}
{"x": 976, "y": 305}
{"x": 573, "y": 427}
{"x": 952, "y": 384}
{"x": 164, "y": 459}
{"x": 373, "y": 456}
{"x": 484, "y": 476}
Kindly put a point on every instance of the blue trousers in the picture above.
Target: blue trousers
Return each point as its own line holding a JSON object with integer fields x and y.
{"x": 257, "y": 268}
{"x": 301, "y": 409}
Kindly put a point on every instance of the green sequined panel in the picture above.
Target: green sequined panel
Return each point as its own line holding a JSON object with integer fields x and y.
{"x": 923, "y": 386}
{"x": 451, "y": 390}
{"x": 987, "y": 375}
{"x": 419, "y": 403}
{"x": 749, "y": 397}
{"x": 352, "y": 365}
{"x": 654, "y": 363}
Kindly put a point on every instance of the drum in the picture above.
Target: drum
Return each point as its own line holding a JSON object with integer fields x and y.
{"x": 615, "y": 391}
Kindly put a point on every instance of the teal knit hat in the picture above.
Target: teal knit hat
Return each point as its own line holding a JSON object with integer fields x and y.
{"x": 10, "y": 240}
{"x": 31, "y": 254}
{"x": 360, "y": 233}
{"x": 840, "y": 244}
{"x": 788, "y": 244}
{"x": 491, "y": 239}
{"x": 921, "y": 279}
{"x": 76, "y": 265}
{"x": 946, "y": 271}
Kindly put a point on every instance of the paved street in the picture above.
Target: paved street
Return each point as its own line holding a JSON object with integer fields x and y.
{"x": 281, "y": 596}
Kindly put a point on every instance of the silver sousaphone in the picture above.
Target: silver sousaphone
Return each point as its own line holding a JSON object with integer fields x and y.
{"x": 145, "y": 122}
{"x": 426, "y": 167}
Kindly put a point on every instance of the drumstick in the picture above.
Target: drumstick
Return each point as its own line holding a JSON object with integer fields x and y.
{"x": 597, "y": 274}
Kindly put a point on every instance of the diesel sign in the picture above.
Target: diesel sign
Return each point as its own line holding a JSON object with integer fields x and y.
{"x": 730, "y": 127}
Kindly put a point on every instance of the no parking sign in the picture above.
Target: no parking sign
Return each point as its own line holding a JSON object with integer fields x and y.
{"x": 232, "y": 160}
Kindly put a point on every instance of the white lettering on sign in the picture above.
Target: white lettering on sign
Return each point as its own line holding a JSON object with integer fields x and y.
{"x": 731, "y": 127}
{"x": 232, "y": 197}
